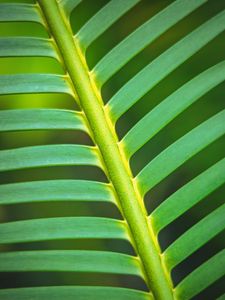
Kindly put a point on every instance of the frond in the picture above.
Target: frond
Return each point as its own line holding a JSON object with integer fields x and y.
{"x": 104, "y": 148}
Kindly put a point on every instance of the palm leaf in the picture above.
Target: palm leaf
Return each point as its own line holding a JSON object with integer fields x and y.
{"x": 108, "y": 153}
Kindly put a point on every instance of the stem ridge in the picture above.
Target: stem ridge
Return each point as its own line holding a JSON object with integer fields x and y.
{"x": 117, "y": 166}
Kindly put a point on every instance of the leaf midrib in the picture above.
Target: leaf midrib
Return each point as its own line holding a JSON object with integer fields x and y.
{"x": 117, "y": 167}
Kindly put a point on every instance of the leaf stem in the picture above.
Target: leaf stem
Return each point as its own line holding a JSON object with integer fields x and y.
{"x": 105, "y": 137}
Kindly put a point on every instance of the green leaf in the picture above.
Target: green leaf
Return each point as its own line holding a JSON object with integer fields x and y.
{"x": 73, "y": 292}
{"x": 172, "y": 106}
{"x": 202, "y": 277}
{"x": 184, "y": 198}
{"x": 141, "y": 37}
{"x": 62, "y": 228}
{"x": 97, "y": 120}
{"x": 70, "y": 261}
{"x": 33, "y": 83}
{"x": 222, "y": 297}
{"x": 47, "y": 155}
{"x": 103, "y": 19}
{"x": 26, "y": 46}
{"x": 69, "y": 5}
{"x": 14, "y": 12}
{"x": 55, "y": 190}
{"x": 195, "y": 237}
{"x": 41, "y": 119}
{"x": 180, "y": 151}
{"x": 153, "y": 73}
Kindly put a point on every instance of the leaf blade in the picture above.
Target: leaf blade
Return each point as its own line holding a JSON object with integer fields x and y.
{"x": 171, "y": 107}
{"x": 194, "y": 238}
{"x": 102, "y": 20}
{"x": 14, "y": 12}
{"x": 55, "y": 190}
{"x": 141, "y": 37}
{"x": 69, "y": 5}
{"x": 70, "y": 260}
{"x": 48, "y": 155}
{"x": 153, "y": 73}
{"x": 33, "y": 83}
{"x": 180, "y": 151}
{"x": 41, "y": 119}
{"x": 73, "y": 292}
{"x": 184, "y": 198}
{"x": 26, "y": 46}
{"x": 202, "y": 277}
{"x": 46, "y": 229}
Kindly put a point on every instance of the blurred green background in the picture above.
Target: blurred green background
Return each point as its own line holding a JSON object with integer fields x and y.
{"x": 207, "y": 106}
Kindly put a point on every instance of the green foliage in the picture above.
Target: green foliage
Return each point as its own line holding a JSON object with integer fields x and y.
{"x": 109, "y": 153}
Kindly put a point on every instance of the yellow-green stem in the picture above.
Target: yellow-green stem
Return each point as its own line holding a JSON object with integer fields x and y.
{"x": 117, "y": 167}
